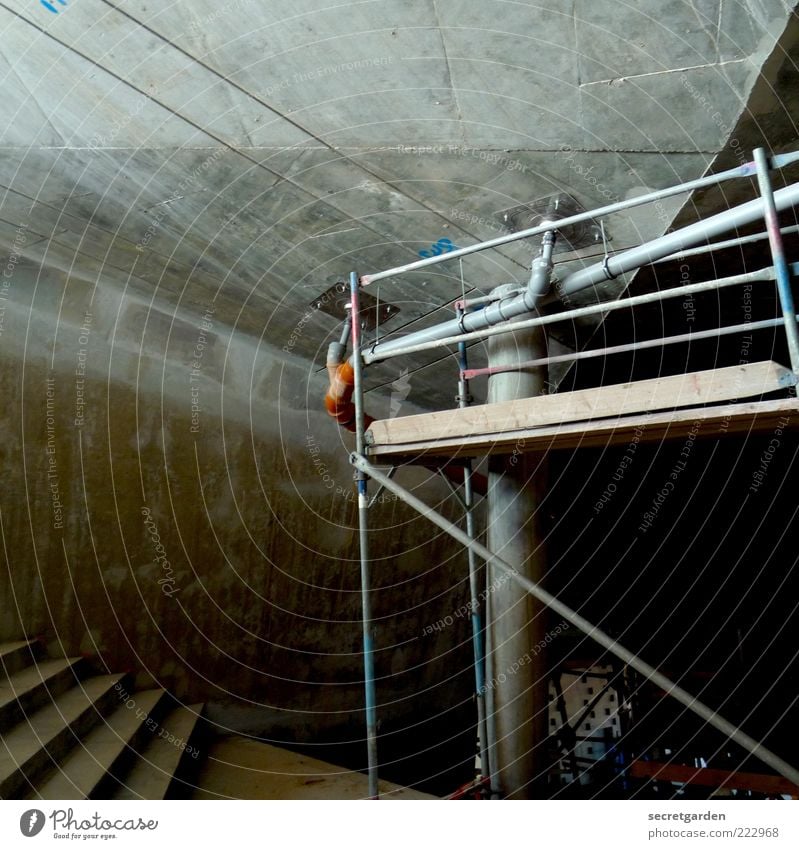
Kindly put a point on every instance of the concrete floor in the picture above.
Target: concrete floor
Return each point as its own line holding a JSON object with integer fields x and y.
{"x": 240, "y": 768}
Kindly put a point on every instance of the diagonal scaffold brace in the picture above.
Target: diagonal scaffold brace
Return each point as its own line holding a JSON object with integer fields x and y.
{"x": 693, "y": 704}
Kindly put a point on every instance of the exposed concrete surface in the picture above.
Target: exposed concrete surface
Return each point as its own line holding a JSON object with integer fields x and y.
{"x": 248, "y": 149}
{"x": 238, "y": 768}
{"x": 195, "y": 173}
{"x": 175, "y": 502}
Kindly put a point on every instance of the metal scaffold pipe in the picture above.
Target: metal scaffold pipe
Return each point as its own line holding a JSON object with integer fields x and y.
{"x": 579, "y": 312}
{"x": 778, "y": 255}
{"x": 746, "y": 170}
{"x": 363, "y": 534}
{"x": 663, "y": 341}
{"x": 595, "y": 633}
{"x": 727, "y": 243}
{"x": 464, "y": 399}
{"x": 685, "y": 237}
{"x": 606, "y": 270}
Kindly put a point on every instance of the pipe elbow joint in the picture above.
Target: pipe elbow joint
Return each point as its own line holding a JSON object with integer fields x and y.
{"x": 338, "y": 400}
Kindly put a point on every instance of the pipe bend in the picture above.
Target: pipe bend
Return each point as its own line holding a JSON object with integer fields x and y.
{"x": 338, "y": 400}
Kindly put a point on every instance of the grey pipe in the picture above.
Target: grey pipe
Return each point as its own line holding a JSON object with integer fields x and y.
{"x": 520, "y": 304}
{"x": 599, "y": 636}
{"x": 515, "y": 621}
{"x": 581, "y": 312}
{"x": 503, "y": 309}
{"x": 674, "y": 242}
{"x": 745, "y": 170}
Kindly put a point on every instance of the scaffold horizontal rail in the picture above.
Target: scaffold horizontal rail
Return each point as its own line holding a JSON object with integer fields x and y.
{"x": 574, "y": 416}
{"x": 689, "y": 701}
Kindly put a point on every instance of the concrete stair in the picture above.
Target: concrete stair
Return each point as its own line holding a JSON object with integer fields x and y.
{"x": 68, "y": 734}
{"x": 153, "y": 776}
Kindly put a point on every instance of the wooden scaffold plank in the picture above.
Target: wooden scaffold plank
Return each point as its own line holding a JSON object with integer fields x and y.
{"x": 601, "y": 416}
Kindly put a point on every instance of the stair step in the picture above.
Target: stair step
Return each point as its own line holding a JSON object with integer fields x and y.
{"x": 17, "y": 655}
{"x": 103, "y": 750}
{"x": 155, "y": 769}
{"x": 33, "y": 745}
{"x": 30, "y": 688}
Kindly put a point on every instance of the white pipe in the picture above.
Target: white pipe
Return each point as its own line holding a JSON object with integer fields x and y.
{"x": 377, "y": 354}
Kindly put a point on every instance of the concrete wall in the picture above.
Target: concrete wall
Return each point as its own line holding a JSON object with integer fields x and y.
{"x": 253, "y": 601}
{"x": 268, "y": 147}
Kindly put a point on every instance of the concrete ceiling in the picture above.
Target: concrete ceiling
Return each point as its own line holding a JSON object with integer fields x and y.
{"x": 244, "y": 156}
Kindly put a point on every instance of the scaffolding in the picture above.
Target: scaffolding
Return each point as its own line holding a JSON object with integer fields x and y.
{"x": 663, "y": 408}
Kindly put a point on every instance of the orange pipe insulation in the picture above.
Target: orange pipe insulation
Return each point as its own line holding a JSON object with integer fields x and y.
{"x": 338, "y": 400}
{"x": 340, "y": 406}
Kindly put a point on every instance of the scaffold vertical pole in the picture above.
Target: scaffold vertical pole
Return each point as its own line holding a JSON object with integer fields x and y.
{"x": 778, "y": 256}
{"x": 464, "y": 399}
{"x": 361, "y": 484}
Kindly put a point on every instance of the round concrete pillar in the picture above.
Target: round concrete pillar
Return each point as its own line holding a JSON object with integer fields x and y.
{"x": 516, "y": 674}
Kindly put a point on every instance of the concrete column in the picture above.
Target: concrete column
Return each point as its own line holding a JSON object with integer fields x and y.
{"x": 517, "y": 698}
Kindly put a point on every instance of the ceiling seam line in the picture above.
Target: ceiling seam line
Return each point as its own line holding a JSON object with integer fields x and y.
{"x": 279, "y": 177}
{"x": 114, "y": 235}
{"x": 326, "y": 145}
